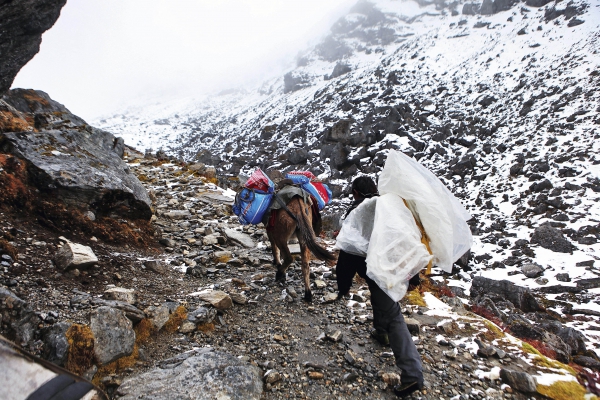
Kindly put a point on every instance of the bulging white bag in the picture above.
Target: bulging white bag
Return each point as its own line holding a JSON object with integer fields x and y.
{"x": 395, "y": 252}
{"x": 441, "y": 214}
{"x": 355, "y": 234}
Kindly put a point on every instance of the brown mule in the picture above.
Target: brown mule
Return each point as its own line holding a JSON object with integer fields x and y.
{"x": 281, "y": 232}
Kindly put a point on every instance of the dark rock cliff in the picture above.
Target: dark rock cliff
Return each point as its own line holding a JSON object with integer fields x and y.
{"x": 22, "y": 24}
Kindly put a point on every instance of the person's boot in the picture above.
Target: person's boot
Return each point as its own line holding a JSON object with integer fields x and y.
{"x": 405, "y": 389}
{"x": 381, "y": 337}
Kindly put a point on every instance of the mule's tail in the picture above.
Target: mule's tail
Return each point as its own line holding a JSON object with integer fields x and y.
{"x": 307, "y": 237}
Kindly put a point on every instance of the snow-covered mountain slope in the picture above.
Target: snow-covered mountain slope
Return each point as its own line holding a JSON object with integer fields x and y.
{"x": 501, "y": 100}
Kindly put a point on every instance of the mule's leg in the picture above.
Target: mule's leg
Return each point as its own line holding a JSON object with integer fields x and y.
{"x": 287, "y": 260}
{"x": 279, "y": 276}
{"x": 274, "y": 249}
{"x": 305, "y": 252}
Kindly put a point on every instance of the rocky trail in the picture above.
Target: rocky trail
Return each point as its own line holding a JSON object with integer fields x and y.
{"x": 208, "y": 290}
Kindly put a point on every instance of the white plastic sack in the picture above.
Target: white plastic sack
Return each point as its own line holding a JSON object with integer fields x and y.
{"x": 441, "y": 214}
{"x": 395, "y": 253}
{"x": 355, "y": 234}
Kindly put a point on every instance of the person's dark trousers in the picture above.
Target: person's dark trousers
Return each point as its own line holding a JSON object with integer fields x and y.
{"x": 388, "y": 318}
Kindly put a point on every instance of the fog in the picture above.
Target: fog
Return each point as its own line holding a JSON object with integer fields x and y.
{"x": 103, "y": 55}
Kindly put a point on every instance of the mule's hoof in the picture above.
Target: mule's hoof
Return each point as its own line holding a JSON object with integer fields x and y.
{"x": 308, "y": 296}
{"x": 280, "y": 276}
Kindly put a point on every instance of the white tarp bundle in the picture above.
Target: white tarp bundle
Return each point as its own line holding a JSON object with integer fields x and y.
{"x": 384, "y": 230}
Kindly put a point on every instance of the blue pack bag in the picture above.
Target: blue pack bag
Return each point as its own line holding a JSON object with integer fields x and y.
{"x": 319, "y": 191}
{"x": 250, "y": 206}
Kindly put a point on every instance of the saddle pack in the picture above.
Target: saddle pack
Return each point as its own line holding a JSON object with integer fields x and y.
{"x": 253, "y": 201}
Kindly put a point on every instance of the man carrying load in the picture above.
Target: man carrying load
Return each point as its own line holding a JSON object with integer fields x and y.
{"x": 389, "y": 234}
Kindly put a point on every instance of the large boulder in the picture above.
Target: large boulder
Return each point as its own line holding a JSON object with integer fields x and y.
{"x": 199, "y": 375}
{"x": 22, "y": 24}
{"x": 113, "y": 334}
{"x": 552, "y": 239}
{"x": 66, "y": 157}
{"x": 519, "y": 296}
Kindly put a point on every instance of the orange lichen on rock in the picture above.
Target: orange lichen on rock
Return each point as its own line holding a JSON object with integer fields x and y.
{"x": 11, "y": 122}
{"x": 81, "y": 349}
{"x": 176, "y": 319}
{"x": 33, "y": 98}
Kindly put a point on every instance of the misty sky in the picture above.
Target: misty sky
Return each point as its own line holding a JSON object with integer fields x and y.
{"x": 102, "y": 55}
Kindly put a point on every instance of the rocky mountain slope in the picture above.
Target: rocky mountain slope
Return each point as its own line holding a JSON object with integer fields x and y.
{"x": 201, "y": 311}
{"x": 499, "y": 99}
{"x": 132, "y": 272}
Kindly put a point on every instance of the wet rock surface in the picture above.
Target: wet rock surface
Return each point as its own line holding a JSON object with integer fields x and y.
{"x": 201, "y": 375}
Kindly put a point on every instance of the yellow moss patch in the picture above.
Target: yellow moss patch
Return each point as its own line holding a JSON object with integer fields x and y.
{"x": 176, "y": 319}
{"x": 545, "y": 362}
{"x": 222, "y": 259}
{"x": 81, "y": 349}
{"x": 143, "y": 330}
{"x": 116, "y": 366}
{"x": 493, "y": 330}
{"x": 563, "y": 390}
{"x": 207, "y": 327}
{"x": 415, "y": 298}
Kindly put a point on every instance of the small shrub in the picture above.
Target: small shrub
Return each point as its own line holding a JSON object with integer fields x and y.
{"x": 415, "y": 298}
{"x": 487, "y": 314}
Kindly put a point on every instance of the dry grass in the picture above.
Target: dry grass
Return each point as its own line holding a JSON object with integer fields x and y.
{"x": 7, "y": 248}
{"x": 143, "y": 330}
{"x": 222, "y": 259}
{"x": 81, "y": 349}
{"x": 207, "y": 327}
{"x": 175, "y": 320}
{"x": 493, "y": 332}
{"x": 545, "y": 362}
{"x": 563, "y": 390}
{"x": 33, "y": 98}
{"x": 116, "y": 366}
{"x": 415, "y": 298}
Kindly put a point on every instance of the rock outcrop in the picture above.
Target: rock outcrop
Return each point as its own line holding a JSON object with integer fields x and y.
{"x": 22, "y": 24}
{"x": 207, "y": 375}
{"x": 71, "y": 160}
